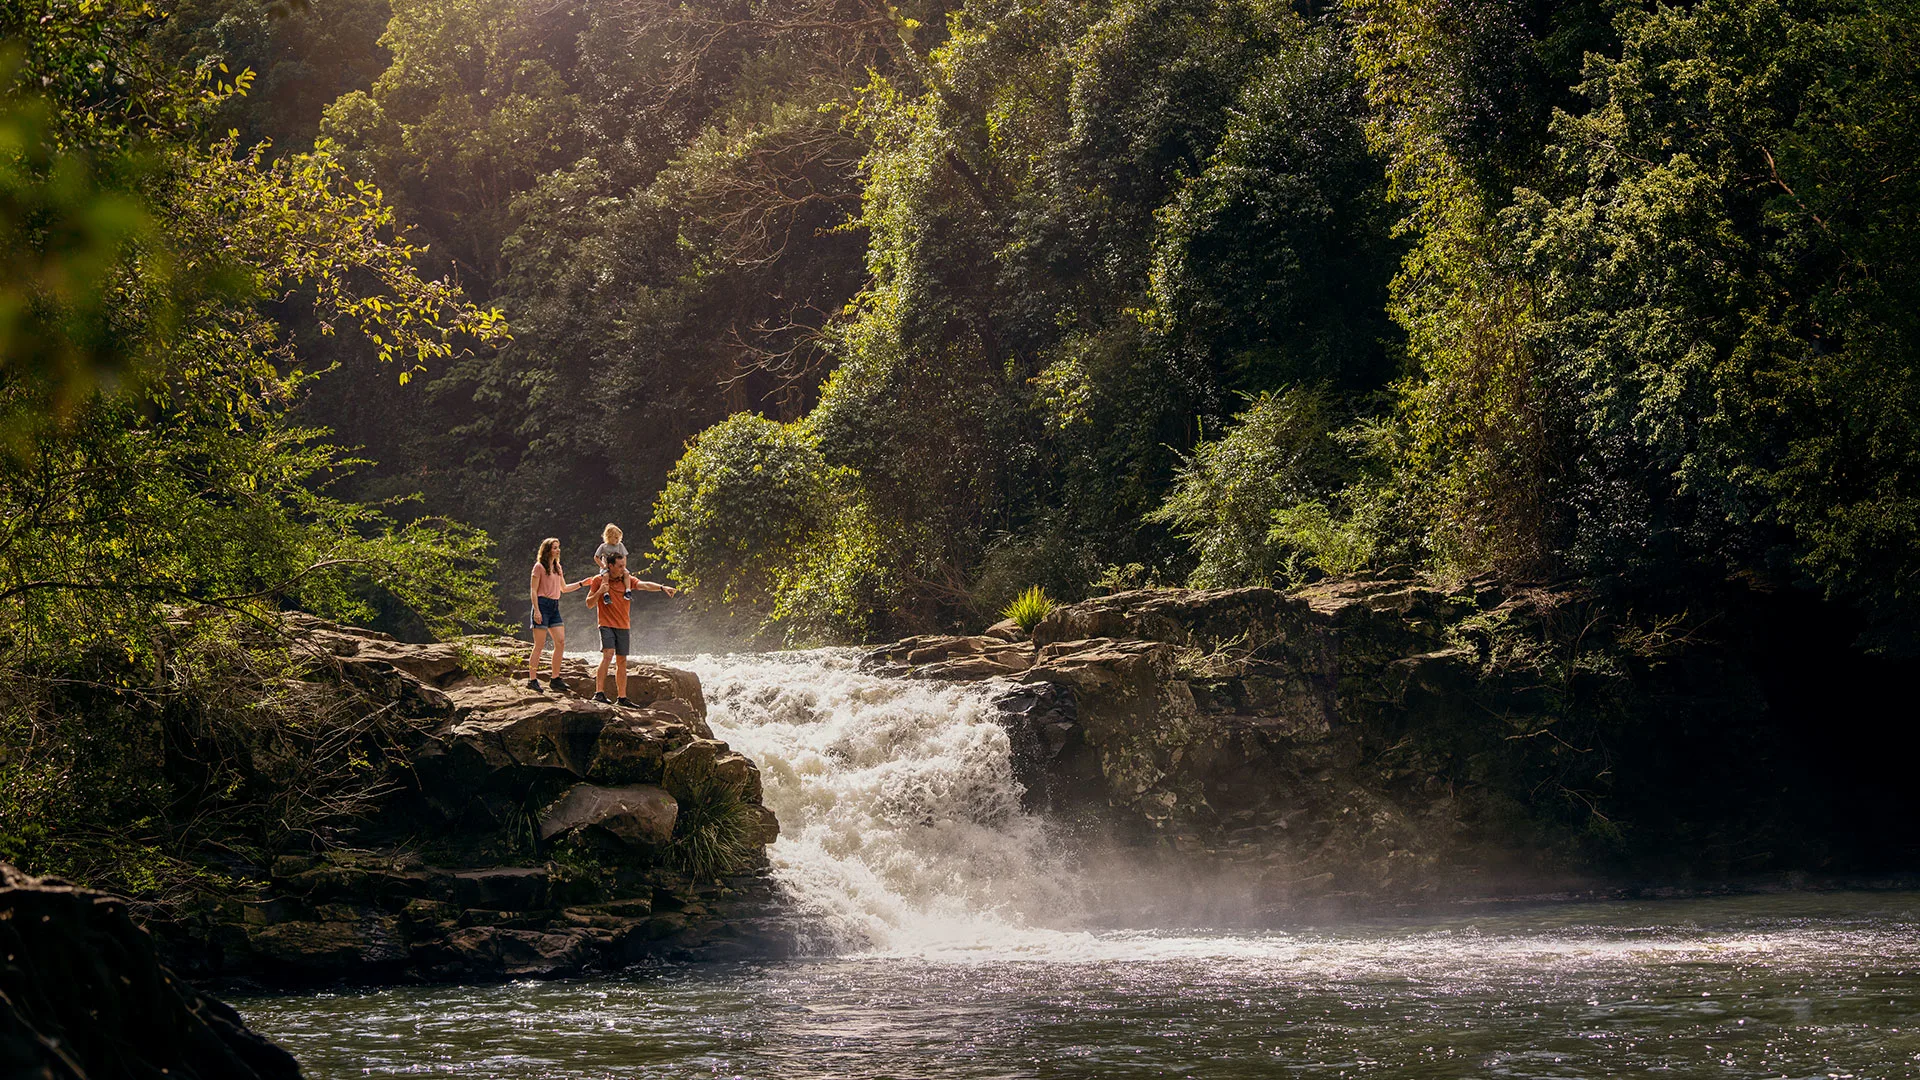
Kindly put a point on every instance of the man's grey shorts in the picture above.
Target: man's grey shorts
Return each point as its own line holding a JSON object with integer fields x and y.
{"x": 612, "y": 637}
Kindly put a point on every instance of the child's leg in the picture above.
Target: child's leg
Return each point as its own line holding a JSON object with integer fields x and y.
{"x": 539, "y": 642}
{"x": 620, "y": 676}
{"x": 559, "y": 634}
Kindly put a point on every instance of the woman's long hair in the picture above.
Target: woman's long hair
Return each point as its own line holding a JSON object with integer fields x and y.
{"x": 549, "y": 556}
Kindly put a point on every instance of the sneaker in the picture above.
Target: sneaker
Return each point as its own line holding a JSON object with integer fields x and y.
{"x": 533, "y": 684}
{"x": 628, "y": 702}
{"x": 557, "y": 685}
{"x": 602, "y": 698}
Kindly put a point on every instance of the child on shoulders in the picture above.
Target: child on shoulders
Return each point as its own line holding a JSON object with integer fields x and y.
{"x": 610, "y": 594}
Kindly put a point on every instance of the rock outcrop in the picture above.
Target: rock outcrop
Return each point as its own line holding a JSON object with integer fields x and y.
{"x": 83, "y": 997}
{"x": 526, "y": 834}
{"x": 1386, "y": 741}
{"x": 935, "y": 656}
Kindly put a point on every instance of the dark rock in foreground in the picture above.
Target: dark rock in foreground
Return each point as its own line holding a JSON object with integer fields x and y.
{"x": 83, "y": 997}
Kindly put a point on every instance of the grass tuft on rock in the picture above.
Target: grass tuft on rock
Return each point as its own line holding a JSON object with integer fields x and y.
{"x": 1027, "y": 609}
{"x": 717, "y": 831}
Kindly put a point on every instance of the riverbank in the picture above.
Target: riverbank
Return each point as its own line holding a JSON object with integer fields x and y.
{"x": 1234, "y": 758}
{"x": 510, "y": 833}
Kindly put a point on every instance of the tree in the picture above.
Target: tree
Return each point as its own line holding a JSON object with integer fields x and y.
{"x": 1727, "y": 249}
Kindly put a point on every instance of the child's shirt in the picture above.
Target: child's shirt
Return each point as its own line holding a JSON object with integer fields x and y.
{"x": 606, "y": 551}
{"x": 613, "y": 607}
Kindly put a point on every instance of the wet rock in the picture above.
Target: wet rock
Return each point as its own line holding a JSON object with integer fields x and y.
{"x": 82, "y": 994}
{"x": 641, "y": 815}
{"x": 1040, "y": 720}
{"x": 325, "y": 950}
{"x": 494, "y": 953}
{"x": 769, "y": 826}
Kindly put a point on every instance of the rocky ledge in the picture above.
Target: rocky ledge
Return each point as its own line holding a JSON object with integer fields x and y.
{"x": 518, "y": 833}
{"x": 82, "y": 994}
{"x": 1371, "y": 741}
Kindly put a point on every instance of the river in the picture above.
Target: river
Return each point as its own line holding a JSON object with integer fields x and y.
{"x": 953, "y": 935}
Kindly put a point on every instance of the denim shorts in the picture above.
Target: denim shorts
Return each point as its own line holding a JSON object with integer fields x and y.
{"x": 616, "y": 638}
{"x": 549, "y": 613}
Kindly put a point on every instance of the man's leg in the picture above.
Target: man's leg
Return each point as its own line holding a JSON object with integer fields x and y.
{"x": 620, "y": 678}
{"x": 600, "y": 677}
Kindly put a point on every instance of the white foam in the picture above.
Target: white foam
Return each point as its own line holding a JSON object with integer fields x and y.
{"x": 901, "y": 827}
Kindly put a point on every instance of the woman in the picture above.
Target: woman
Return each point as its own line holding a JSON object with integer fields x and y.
{"x": 546, "y": 585}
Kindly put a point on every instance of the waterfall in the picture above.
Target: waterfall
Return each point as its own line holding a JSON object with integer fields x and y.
{"x": 901, "y": 826}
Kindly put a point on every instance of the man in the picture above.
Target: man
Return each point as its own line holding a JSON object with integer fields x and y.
{"x": 610, "y": 595}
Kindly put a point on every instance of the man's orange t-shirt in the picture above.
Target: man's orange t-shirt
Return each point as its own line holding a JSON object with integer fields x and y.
{"x": 613, "y": 606}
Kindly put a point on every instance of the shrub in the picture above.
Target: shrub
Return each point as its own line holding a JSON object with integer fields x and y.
{"x": 1028, "y": 608}
{"x": 1279, "y": 453}
{"x": 748, "y": 493}
{"x": 1320, "y": 542}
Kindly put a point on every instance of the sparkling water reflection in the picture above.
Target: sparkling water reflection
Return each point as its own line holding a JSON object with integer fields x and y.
{"x": 1806, "y": 985}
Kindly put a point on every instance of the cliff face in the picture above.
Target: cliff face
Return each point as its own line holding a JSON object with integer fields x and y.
{"x": 1368, "y": 741}
{"x": 519, "y": 833}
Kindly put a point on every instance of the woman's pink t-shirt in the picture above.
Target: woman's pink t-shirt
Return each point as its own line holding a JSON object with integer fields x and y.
{"x": 550, "y": 582}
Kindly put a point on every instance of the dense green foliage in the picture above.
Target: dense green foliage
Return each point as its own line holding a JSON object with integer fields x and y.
{"x": 1072, "y": 292}
{"x": 160, "y": 505}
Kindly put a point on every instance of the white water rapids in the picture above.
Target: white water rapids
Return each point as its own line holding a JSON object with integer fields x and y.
{"x": 901, "y": 826}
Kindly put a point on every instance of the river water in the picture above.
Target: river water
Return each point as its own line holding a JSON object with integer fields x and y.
{"x": 953, "y": 935}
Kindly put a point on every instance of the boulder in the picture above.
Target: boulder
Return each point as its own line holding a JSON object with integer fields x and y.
{"x": 949, "y": 657}
{"x": 506, "y": 737}
{"x": 657, "y": 684}
{"x": 509, "y": 740}
{"x": 706, "y": 763}
{"x": 83, "y": 995}
{"x": 640, "y": 815}
{"x": 501, "y": 888}
{"x": 769, "y": 826}
{"x": 1005, "y": 630}
{"x": 498, "y": 953}
{"x": 324, "y": 950}
{"x": 633, "y": 746}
